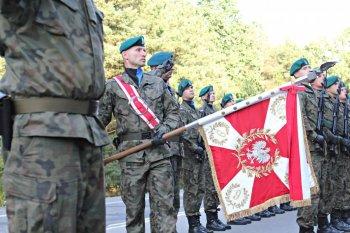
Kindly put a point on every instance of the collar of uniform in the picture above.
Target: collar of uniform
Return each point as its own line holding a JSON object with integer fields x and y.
{"x": 187, "y": 107}
{"x": 128, "y": 80}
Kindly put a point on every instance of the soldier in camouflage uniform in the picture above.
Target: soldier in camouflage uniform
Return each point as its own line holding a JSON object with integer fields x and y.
{"x": 193, "y": 161}
{"x": 345, "y": 205}
{"x": 333, "y": 150}
{"x": 156, "y": 63}
{"x": 149, "y": 170}
{"x": 211, "y": 199}
{"x": 341, "y": 204}
{"x": 53, "y": 176}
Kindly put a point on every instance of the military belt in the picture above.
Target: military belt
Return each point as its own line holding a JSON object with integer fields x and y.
{"x": 142, "y": 136}
{"x": 51, "y": 104}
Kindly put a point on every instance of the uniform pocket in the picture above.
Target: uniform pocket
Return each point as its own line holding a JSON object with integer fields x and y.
{"x": 30, "y": 188}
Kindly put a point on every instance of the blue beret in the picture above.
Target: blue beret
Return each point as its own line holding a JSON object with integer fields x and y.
{"x": 205, "y": 90}
{"x": 184, "y": 83}
{"x": 134, "y": 41}
{"x": 297, "y": 65}
{"x": 159, "y": 58}
{"x": 227, "y": 98}
{"x": 331, "y": 80}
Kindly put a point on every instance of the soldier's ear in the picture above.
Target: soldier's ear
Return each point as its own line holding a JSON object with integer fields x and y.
{"x": 125, "y": 55}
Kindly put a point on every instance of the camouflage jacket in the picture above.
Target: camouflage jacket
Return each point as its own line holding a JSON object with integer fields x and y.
{"x": 206, "y": 109}
{"x": 191, "y": 138}
{"x": 309, "y": 106}
{"x": 53, "y": 49}
{"x": 328, "y": 118}
{"x": 154, "y": 92}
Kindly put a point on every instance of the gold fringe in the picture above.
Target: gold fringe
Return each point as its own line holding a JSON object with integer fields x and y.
{"x": 301, "y": 203}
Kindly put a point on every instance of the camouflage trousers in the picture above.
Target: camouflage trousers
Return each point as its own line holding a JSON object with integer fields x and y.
{"x": 307, "y": 216}
{"x": 194, "y": 182}
{"x": 211, "y": 199}
{"x": 157, "y": 179}
{"x": 339, "y": 176}
{"x": 176, "y": 164}
{"x": 54, "y": 185}
{"x": 327, "y": 200}
{"x": 346, "y": 196}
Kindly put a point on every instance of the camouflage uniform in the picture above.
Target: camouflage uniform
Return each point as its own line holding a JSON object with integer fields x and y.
{"x": 211, "y": 199}
{"x": 307, "y": 216}
{"x": 346, "y": 155}
{"x": 53, "y": 176}
{"x": 149, "y": 170}
{"x": 192, "y": 168}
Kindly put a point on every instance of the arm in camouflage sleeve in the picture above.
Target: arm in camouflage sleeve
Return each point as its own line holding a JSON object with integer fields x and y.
{"x": 107, "y": 104}
{"x": 309, "y": 125}
{"x": 187, "y": 136}
{"x": 19, "y": 12}
{"x": 171, "y": 113}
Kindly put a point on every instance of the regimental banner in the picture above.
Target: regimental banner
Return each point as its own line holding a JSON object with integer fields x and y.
{"x": 258, "y": 155}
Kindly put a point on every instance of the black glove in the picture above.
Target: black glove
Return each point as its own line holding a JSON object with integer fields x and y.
{"x": 345, "y": 142}
{"x": 199, "y": 154}
{"x": 319, "y": 139}
{"x": 157, "y": 139}
{"x": 333, "y": 139}
{"x": 116, "y": 142}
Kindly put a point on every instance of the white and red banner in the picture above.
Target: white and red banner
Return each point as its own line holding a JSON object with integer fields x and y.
{"x": 258, "y": 155}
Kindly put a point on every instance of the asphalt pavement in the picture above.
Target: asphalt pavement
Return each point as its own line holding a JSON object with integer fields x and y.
{"x": 115, "y": 219}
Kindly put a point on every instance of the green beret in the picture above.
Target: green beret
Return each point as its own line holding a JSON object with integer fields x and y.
{"x": 227, "y": 98}
{"x": 134, "y": 41}
{"x": 331, "y": 80}
{"x": 205, "y": 90}
{"x": 184, "y": 83}
{"x": 159, "y": 58}
{"x": 297, "y": 65}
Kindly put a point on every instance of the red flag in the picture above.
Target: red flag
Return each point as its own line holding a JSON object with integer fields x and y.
{"x": 258, "y": 155}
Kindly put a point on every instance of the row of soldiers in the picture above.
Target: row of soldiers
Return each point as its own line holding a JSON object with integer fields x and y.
{"x": 325, "y": 112}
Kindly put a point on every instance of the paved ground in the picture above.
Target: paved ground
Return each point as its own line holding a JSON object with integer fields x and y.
{"x": 115, "y": 218}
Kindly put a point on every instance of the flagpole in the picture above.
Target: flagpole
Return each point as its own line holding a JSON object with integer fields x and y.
{"x": 212, "y": 117}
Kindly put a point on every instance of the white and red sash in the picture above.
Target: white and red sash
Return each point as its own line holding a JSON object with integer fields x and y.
{"x": 137, "y": 103}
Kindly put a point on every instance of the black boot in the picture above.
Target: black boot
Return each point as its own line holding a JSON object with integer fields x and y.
{"x": 346, "y": 216}
{"x": 240, "y": 221}
{"x": 254, "y": 217}
{"x": 306, "y": 230}
{"x": 227, "y": 227}
{"x": 213, "y": 222}
{"x": 287, "y": 207}
{"x": 325, "y": 227}
{"x": 266, "y": 214}
{"x": 195, "y": 225}
{"x": 276, "y": 210}
{"x": 336, "y": 221}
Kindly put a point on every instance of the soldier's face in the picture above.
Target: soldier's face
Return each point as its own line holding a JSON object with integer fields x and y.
{"x": 135, "y": 57}
{"x": 188, "y": 93}
{"x": 212, "y": 97}
{"x": 230, "y": 103}
{"x": 319, "y": 80}
{"x": 303, "y": 71}
{"x": 342, "y": 95}
{"x": 333, "y": 89}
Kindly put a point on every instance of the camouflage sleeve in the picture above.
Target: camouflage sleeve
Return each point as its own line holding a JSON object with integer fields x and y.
{"x": 309, "y": 126}
{"x": 171, "y": 118}
{"x": 107, "y": 104}
{"x": 20, "y": 11}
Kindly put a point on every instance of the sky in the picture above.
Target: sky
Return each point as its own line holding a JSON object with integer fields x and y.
{"x": 300, "y": 21}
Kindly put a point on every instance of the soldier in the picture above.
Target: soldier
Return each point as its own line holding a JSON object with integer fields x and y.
{"x": 211, "y": 199}
{"x": 161, "y": 64}
{"x": 193, "y": 161}
{"x": 53, "y": 177}
{"x": 341, "y": 204}
{"x": 333, "y": 151}
{"x": 144, "y": 110}
{"x": 346, "y": 155}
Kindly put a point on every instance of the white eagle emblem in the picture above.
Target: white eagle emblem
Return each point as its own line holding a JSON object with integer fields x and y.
{"x": 259, "y": 152}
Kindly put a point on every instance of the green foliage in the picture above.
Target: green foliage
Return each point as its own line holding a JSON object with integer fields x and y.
{"x": 2, "y": 66}
{"x": 2, "y": 195}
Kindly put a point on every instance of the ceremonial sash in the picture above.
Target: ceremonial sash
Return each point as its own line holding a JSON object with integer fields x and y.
{"x": 137, "y": 103}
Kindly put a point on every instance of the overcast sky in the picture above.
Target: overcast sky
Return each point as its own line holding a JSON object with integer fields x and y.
{"x": 300, "y": 21}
